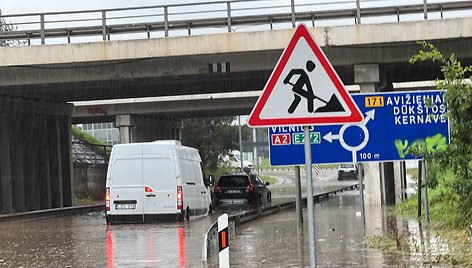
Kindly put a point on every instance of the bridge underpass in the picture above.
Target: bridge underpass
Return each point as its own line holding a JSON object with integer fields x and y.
{"x": 374, "y": 57}
{"x": 35, "y": 163}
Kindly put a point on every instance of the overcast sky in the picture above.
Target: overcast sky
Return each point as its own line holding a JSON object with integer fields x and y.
{"x": 36, "y": 6}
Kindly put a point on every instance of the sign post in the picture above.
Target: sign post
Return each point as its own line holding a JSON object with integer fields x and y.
{"x": 304, "y": 90}
{"x": 309, "y": 199}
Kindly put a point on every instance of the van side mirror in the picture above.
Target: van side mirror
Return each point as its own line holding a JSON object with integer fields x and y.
{"x": 267, "y": 183}
{"x": 211, "y": 180}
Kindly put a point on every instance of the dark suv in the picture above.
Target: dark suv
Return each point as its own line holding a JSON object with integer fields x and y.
{"x": 242, "y": 186}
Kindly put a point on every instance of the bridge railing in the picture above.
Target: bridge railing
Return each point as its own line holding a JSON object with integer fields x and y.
{"x": 211, "y": 17}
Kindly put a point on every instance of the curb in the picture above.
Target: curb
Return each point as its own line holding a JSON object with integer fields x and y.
{"x": 52, "y": 212}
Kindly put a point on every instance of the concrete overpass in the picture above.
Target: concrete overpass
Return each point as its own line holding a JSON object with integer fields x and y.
{"x": 372, "y": 56}
{"x": 183, "y": 65}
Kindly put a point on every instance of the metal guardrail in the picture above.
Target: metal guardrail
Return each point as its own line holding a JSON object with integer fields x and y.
{"x": 236, "y": 219}
{"x": 87, "y": 153}
{"x": 229, "y": 15}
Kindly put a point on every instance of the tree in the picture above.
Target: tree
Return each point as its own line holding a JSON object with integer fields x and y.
{"x": 212, "y": 137}
{"x": 7, "y": 27}
{"x": 458, "y": 154}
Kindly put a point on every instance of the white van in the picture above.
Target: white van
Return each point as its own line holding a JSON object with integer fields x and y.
{"x": 155, "y": 181}
{"x": 233, "y": 159}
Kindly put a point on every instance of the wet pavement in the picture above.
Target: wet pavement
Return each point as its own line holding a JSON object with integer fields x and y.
{"x": 341, "y": 239}
{"x": 273, "y": 241}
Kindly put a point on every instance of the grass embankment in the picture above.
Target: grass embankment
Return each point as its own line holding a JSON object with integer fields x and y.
{"x": 445, "y": 220}
{"x": 101, "y": 148}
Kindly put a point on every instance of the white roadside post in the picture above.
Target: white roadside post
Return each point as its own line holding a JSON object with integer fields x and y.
{"x": 223, "y": 241}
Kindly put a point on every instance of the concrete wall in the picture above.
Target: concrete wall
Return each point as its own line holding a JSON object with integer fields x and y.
{"x": 35, "y": 162}
{"x": 89, "y": 181}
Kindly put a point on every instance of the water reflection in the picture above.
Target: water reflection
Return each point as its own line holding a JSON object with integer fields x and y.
{"x": 148, "y": 245}
{"x": 340, "y": 240}
{"x": 109, "y": 248}
{"x": 181, "y": 237}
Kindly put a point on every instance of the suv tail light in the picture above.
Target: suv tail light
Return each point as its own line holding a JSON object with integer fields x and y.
{"x": 180, "y": 198}
{"x": 250, "y": 187}
{"x": 107, "y": 199}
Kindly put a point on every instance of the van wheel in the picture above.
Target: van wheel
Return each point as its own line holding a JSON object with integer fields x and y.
{"x": 187, "y": 214}
{"x": 180, "y": 217}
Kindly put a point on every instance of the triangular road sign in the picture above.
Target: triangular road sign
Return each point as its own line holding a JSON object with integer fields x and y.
{"x": 304, "y": 89}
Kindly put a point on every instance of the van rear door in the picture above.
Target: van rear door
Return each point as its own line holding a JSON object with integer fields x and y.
{"x": 126, "y": 183}
{"x": 159, "y": 175}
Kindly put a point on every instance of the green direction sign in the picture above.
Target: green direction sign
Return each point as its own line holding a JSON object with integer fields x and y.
{"x": 299, "y": 138}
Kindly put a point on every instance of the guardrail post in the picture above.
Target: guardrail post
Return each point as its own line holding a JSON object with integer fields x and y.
{"x": 358, "y": 12}
{"x": 228, "y": 8}
{"x": 292, "y": 5}
{"x": 43, "y": 33}
{"x": 104, "y": 26}
{"x": 425, "y": 9}
{"x": 166, "y": 21}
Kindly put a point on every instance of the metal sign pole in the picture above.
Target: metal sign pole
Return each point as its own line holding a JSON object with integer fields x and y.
{"x": 298, "y": 200}
{"x": 309, "y": 198}
{"x": 425, "y": 184}
{"x": 361, "y": 193}
{"x": 240, "y": 145}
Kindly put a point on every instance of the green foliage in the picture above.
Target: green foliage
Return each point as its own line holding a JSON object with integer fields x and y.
{"x": 84, "y": 136}
{"x": 212, "y": 137}
{"x": 458, "y": 154}
{"x": 270, "y": 179}
{"x": 87, "y": 138}
{"x": 443, "y": 204}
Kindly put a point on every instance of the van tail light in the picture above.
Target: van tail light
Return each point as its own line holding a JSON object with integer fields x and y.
{"x": 147, "y": 189}
{"x": 180, "y": 198}
{"x": 107, "y": 199}
{"x": 216, "y": 189}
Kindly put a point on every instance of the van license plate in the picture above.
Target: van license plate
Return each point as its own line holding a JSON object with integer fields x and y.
{"x": 125, "y": 206}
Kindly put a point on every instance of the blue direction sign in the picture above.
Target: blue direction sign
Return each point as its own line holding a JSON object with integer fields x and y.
{"x": 396, "y": 126}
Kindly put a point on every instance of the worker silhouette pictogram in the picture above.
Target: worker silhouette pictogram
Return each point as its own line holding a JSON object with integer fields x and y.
{"x": 298, "y": 88}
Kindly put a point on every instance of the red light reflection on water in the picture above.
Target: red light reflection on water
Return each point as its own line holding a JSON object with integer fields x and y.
{"x": 109, "y": 249}
{"x": 181, "y": 235}
{"x": 152, "y": 258}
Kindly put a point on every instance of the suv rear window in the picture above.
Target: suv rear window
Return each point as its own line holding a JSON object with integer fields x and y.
{"x": 233, "y": 181}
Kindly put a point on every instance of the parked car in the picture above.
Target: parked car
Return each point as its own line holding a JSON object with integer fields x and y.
{"x": 347, "y": 171}
{"x": 241, "y": 186}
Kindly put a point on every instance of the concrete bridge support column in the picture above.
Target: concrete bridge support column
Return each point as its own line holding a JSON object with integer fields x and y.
{"x": 35, "y": 160}
{"x": 123, "y": 122}
{"x": 367, "y": 76}
{"x": 147, "y": 128}
{"x": 5, "y": 165}
{"x": 17, "y": 157}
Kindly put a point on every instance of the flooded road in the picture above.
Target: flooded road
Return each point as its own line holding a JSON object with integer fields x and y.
{"x": 340, "y": 240}
{"x": 86, "y": 241}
